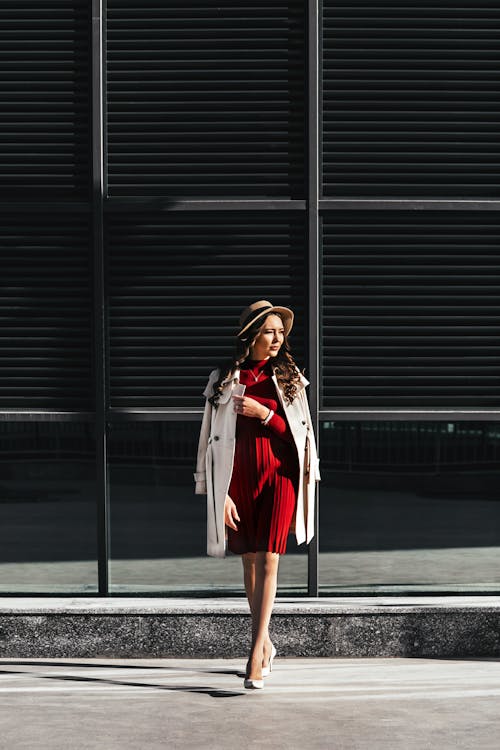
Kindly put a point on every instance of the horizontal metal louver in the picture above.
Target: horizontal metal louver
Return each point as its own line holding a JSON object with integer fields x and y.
{"x": 176, "y": 284}
{"x": 206, "y": 99}
{"x": 410, "y": 98}
{"x": 411, "y": 309}
{"x": 45, "y": 125}
{"x": 45, "y": 310}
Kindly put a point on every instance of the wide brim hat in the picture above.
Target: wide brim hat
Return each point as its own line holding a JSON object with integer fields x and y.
{"x": 260, "y": 310}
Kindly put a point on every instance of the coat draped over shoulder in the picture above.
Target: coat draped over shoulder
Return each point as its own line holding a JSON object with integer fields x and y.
{"x": 214, "y": 465}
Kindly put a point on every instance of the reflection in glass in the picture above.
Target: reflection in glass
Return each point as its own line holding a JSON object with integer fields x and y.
{"x": 158, "y": 524}
{"x": 47, "y": 507}
{"x": 409, "y": 506}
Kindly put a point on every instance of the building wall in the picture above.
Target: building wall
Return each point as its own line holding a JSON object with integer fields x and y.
{"x": 164, "y": 166}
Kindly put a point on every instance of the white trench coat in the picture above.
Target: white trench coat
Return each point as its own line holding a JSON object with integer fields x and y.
{"x": 214, "y": 466}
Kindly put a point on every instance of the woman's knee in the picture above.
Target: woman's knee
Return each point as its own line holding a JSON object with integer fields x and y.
{"x": 248, "y": 560}
{"x": 268, "y": 562}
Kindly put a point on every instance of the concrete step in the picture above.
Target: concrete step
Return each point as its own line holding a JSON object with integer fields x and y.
{"x": 417, "y": 626}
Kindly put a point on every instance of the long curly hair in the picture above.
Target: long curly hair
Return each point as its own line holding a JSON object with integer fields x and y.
{"x": 286, "y": 371}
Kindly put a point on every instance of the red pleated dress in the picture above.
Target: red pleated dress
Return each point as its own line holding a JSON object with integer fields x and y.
{"x": 265, "y": 476}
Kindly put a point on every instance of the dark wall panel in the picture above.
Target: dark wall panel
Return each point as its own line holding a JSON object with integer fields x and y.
{"x": 176, "y": 284}
{"x": 207, "y": 99}
{"x": 45, "y": 310}
{"x": 410, "y": 98}
{"x": 411, "y": 309}
{"x": 45, "y": 127}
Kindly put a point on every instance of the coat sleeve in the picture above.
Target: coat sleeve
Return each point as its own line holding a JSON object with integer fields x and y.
{"x": 200, "y": 475}
{"x": 312, "y": 441}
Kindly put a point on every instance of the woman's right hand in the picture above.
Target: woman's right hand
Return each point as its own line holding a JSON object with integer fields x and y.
{"x": 230, "y": 513}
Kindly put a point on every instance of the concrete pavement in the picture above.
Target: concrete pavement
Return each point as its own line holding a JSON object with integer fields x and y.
{"x": 319, "y": 704}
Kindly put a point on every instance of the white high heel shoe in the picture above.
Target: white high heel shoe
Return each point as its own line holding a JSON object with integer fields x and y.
{"x": 266, "y": 671}
{"x": 253, "y": 684}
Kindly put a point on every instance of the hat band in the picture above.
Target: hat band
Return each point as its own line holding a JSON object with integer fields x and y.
{"x": 255, "y": 314}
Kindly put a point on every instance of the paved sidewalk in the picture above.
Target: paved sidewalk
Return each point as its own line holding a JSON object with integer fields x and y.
{"x": 324, "y": 704}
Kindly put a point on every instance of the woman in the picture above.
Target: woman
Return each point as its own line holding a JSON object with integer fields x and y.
{"x": 257, "y": 463}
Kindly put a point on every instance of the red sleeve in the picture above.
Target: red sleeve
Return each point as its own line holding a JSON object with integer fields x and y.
{"x": 280, "y": 427}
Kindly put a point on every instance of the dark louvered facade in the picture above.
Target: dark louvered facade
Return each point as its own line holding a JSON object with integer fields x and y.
{"x": 165, "y": 164}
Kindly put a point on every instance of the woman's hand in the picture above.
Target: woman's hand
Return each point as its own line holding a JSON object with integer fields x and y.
{"x": 249, "y": 407}
{"x": 230, "y": 513}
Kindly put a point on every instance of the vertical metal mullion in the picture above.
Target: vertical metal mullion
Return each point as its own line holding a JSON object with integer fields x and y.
{"x": 99, "y": 299}
{"x": 313, "y": 229}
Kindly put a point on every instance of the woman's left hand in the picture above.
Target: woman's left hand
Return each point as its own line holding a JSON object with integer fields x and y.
{"x": 249, "y": 407}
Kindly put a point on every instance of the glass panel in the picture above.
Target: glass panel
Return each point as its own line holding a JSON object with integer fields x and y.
{"x": 158, "y": 524}
{"x": 48, "y": 533}
{"x": 410, "y": 506}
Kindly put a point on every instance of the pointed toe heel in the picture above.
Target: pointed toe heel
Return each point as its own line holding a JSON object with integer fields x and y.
{"x": 253, "y": 684}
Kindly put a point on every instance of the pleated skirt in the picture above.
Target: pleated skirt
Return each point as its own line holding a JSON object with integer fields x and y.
{"x": 263, "y": 487}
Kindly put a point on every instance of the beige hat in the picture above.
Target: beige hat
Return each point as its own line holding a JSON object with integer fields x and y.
{"x": 262, "y": 309}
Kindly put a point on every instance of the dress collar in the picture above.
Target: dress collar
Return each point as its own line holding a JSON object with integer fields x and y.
{"x": 255, "y": 364}
{"x": 236, "y": 377}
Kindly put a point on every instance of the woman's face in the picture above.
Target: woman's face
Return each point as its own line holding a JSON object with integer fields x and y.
{"x": 271, "y": 337}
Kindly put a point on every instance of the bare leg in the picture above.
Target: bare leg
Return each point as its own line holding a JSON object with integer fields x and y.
{"x": 249, "y": 567}
{"x": 248, "y": 560}
{"x": 266, "y": 578}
